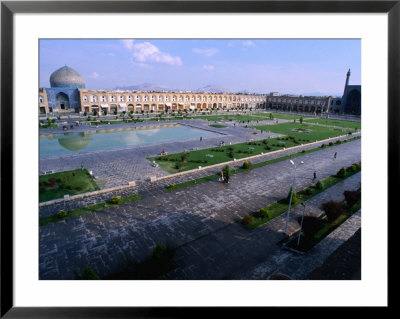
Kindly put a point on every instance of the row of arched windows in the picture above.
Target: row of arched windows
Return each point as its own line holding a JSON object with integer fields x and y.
{"x": 297, "y": 101}
{"x": 168, "y": 98}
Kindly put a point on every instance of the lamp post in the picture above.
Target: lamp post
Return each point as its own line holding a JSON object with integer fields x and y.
{"x": 301, "y": 224}
{"x": 291, "y": 192}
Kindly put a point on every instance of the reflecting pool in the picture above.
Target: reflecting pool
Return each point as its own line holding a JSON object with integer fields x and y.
{"x": 103, "y": 139}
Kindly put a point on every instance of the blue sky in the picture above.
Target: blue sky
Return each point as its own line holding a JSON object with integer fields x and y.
{"x": 289, "y": 66}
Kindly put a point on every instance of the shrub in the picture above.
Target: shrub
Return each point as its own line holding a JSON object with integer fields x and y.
{"x": 115, "y": 200}
{"x": 62, "y": 214}
{"x": 226, "y": 170}
{"x": 332, "y": 210}
{"x": 330, "y": 143}
{"x": 247, "y": 220}
{"x": 311, "y": 224}
{"x": 308, "y": 191}
{"x": 319, "y": 185}
{"x": 338, "y": 142}
{"x": 262, "y": 213}
{"x": 52, "y": 181}
{"x": 351, "y": 197}
{"x": 231, "y": 154}
{"x": 323, "y": 145}
{"x": 353, "y": 168}
{"x": 246, "y": 165}
{"x": 341, "y": 173}
{"x": 89, "y": 274}
{"x": 170, "y": 186}
{"x": 294, "y": 197}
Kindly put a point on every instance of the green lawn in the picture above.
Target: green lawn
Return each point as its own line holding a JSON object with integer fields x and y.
{"x": 303, "y": 131}
{"x": 53, "y": 186}
{"x": 281, "y": 116}
{"x": 228, "y": 117}
{"x": 173, "y": 163}
{"x": 180, "y": 162}
{"x": 88, "y": 209}
{"x": 339, "y": 123}
{"x": 45, "y": 126}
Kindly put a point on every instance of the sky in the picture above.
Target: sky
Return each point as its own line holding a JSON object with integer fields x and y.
{"x": 287, "y": 66}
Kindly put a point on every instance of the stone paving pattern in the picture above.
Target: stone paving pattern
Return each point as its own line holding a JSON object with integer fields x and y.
{"x": 190, "y": 219}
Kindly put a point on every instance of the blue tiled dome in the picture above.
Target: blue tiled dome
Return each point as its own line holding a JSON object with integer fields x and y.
{"x": 66, "y": 77}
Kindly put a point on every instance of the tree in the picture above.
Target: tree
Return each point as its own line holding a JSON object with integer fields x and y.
{"x": 89, "y": 274}
{"x": 301, "y": 120}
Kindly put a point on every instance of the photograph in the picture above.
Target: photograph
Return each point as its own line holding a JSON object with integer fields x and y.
{"x": 199, "y": 159}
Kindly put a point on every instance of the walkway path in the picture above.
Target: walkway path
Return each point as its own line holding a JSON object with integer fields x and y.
{"x": 103, "y": 239}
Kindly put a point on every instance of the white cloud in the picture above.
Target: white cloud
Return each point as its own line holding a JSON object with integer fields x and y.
{"x": 128, "y": 43}
{"x": 248, "y": 43}
{"x": 94, "y": 75}
{"x": 208, "y": 67}
{"x": 206, "y": 52}
{"x": 147, "y": 52}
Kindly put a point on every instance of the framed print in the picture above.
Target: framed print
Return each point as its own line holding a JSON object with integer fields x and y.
{"x": 186, "y": 155}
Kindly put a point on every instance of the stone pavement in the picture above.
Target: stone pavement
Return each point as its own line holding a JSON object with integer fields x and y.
{"x": 144, "y": 186}
{"x": 205, "y": 211}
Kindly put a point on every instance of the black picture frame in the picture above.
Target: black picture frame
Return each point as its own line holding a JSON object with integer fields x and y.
{"x": 9, "y": 8}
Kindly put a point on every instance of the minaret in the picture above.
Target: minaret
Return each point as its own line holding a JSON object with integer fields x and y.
{"x": 347, "y": 81}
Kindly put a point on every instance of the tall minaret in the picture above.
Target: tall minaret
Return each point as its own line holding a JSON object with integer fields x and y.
{"x": 347, "y": 81}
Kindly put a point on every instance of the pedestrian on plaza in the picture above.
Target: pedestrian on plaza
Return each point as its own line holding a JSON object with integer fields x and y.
{"x": 334, "y": 155}
{"x": 201, "y": 138}
{"x": 315, "y": 175}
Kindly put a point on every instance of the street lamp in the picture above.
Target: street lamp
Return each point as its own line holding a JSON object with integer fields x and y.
{"x": 291, "y": 191}
{"x": 301, "y": 224}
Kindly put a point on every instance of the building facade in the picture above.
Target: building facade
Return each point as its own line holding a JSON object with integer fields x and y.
{"x": 119, "y": 101}
{"x": 68, "y": 94}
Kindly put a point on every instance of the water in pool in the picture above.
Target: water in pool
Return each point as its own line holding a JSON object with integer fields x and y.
{"x": 70, "y": 143}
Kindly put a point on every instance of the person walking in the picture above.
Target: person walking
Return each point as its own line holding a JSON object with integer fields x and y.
{"x": 315, "y": 176}
{"x": 334, "y": 155}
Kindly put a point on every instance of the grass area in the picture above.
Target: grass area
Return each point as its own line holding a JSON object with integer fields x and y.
{"x": 280, "y": 207}
{"x": 88, "y": 209}
{"x": 46, "y": 126}
{"x": 53, "y": 186}
{"x": 184, "y": 161}
{"x": 218, "y": 125}
{"x": 303, "y": 131}
{"x": 174, "y": 187}
{"x": 295, "y": 134}
{"x": 281, "y": 116}
{"x": 339, "y": 123}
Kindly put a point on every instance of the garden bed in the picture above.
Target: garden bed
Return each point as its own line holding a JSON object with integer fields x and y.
{"x": 53, "y": 186}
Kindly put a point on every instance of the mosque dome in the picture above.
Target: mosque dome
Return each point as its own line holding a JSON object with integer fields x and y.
{"x": 74, "y": 142}
{"x": 66, "y": 77}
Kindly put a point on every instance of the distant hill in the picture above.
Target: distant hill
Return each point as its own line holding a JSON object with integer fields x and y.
{"x": 143, "y": 87}
{"x": 212, "y": 88}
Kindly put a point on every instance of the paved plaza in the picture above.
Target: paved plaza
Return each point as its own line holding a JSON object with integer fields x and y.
{"x": 200, "y": 221}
